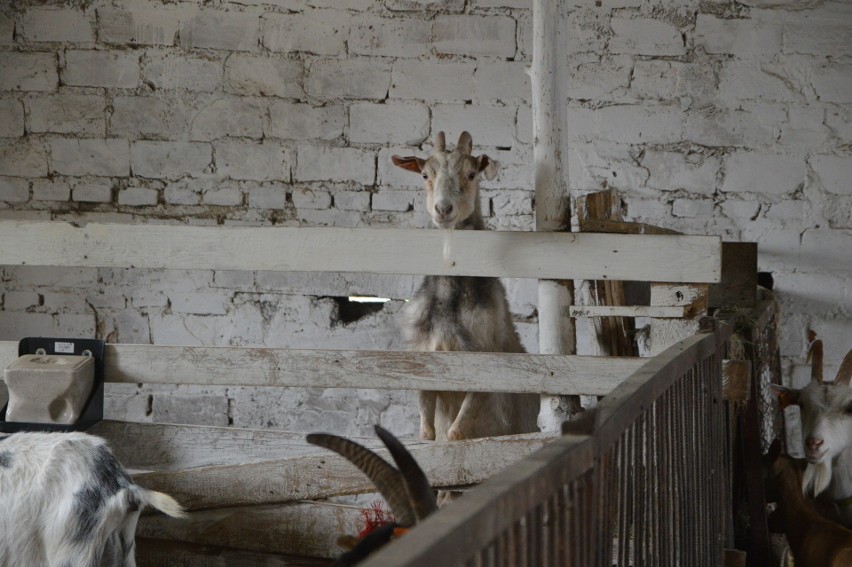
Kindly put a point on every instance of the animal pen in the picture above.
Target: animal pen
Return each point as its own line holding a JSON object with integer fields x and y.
{"x": 645, "y": 478}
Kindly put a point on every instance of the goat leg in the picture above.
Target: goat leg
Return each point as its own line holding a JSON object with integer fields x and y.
{"x": 428, "y": 400}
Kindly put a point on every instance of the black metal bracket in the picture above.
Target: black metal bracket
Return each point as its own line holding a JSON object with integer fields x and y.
{"x": 93, "y": 411}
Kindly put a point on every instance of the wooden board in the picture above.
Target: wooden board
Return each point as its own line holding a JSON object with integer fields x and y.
{"x": 322, "y": 476}
{"x": 303, "y": 528}
{"x": 395, "y": 370}
{"x": 385, "y": 251}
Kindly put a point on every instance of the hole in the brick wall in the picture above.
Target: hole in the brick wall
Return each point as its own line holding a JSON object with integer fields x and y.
{"x": 355, "y": 307}
{"x": 765, "y": 279}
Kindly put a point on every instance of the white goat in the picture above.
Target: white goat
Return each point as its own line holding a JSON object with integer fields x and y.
{"x": 66, "y": 501}
{"x": 826, "y": 410}
{"x": 453, "y": 313}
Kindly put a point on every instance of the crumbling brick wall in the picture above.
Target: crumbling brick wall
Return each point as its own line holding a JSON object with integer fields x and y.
{"x": 711, "y": 117}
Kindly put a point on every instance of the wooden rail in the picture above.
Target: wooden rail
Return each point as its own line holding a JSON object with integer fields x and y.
{"x": 643, "y": 479}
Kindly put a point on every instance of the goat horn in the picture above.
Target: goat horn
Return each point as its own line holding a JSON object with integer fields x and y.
{"x": 844, "y": 373}
{"x": 815, "y": 358}
{"x": 440, "y": 142}
{"x": 384, "y": 477}
{"x": 419, "y": 491}
{"x": 465, "y": 145}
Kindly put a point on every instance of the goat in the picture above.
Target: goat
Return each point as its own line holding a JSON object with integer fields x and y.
{"x": 454, "y": 313}
{"x": 65, "y": 500}
{"x": 827, "y": 429}
{"x": 406, "y": 490}
{"x": 814, "y": 540}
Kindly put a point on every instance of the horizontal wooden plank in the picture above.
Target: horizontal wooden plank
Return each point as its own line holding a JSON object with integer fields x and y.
{"x": 307, "y": 529}
{"x": 658, "y": 311}
{"x": 161, "y": 553}
{"x": 322, "y": 476}
{"x": 550, "y": 255}
{"x": 394, "y": 370}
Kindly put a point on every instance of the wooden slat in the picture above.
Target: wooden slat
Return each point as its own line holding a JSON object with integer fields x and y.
{"x": 660, "y": 311}
{"x": 395, "y": 370}
{"x": 302, "y": 528}
{"x": 322, "y": 476}
{"x": 385, "y": 251}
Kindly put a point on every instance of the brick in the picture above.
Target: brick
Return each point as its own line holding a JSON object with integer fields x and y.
{"x": 472, "y": 36}
{"x": 108, "y": 157}
{"x": 693, "y": 208}
{"x": 139, "y": 23}
{"x": 489, "y": 125}
{"x": 351, "y": 200}
{"x": 386, "y": 200}
{"x": 263, "y": 76}
{"x": 502, "y": 81}
{"x": 762, "y": 173}
{"x": 834, "y": 173}
{"x": 168, "y": 71}
{"x": 259, "y": 162}
{"x": 28, "y": 72}
{"x": 229, "y": 116}
{"x": 645, "y": 36}
{"x": 323, "y": 32}
{"x": 630, "y": 124}
{"x": 742, "y": 37}
{"x": 51, "y": 190}
{"x": 310, "y": 199}
{"x": 169, "y": 160}
{"x": 447, "y": 82}
{"x": 317, "y": 163}
{"x": 118, "y": 69}
{"x": 348, "y": 79}
{"x": 7, "y": 30}
{"x": 23, "y": 157}
{"x": 214, "y": 29}
{"x": 268, "y": 197}
{"x": 56, "y": 25}
{"x": 748, "y": 125}
{"x": 68, "y": 114}
{"x": 14, "y": 190}
{"x": 396, "y": 123}
{"x": 296, "y": 121}
{"x": 137, "y": 196}
{"x": 149, "y": 117}
{"x": 92, "y": 192}
{"x": 11, "y": 118}
{"x": 390, "y": 37}
{"x": 669, "y": 171}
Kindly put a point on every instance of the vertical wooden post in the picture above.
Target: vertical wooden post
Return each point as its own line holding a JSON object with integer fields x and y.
{"x": 552, "y": 202}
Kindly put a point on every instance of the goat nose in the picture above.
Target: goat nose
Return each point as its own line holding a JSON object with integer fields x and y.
{"x": 444, "y": 209}
{"x": 813, "y": 443}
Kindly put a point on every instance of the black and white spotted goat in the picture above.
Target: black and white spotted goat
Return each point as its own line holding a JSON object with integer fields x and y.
{"x": 66, "y": 501}
{"x": 406, "y": 489}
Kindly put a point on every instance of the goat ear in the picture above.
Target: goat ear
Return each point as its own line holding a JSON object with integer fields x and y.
{"x": 815, "y": 358}
{"x": 409, "y": 163}
{"x": 465, "y": 144}
{"x": 844, "y": 373}
{"x": 488, "y": 166}
{"x": 786, "y": 396}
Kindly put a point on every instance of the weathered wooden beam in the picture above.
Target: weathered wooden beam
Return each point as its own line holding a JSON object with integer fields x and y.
{"x": 393, "y": 370}
{"x": 322, "y": 476}
{"x": 660, "y": 311}
{"x": 517, "y": 254}
{"x": 306, "y": 529}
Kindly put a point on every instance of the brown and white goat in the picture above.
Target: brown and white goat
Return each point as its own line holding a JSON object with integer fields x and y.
{"x": 65, "y": 500}
{"x": 826, "y": 410}
{"x": 814, "y": 540}
{"x": 455, "y": 313}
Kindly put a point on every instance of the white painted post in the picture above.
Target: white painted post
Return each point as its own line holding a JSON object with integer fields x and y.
{"x": 548, "y": 75}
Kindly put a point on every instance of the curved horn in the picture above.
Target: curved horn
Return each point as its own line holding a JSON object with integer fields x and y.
{"x": 419, "y": 492}
{"x": 440, "y": 142}
{"x": 815, "y": 358}
{"x": 384, "y": 477}
{"x": 465, "y": 145}
{"x": 844, "y": 373}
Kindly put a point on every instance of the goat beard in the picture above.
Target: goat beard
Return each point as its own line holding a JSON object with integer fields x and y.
{"x": 816, "y": 478}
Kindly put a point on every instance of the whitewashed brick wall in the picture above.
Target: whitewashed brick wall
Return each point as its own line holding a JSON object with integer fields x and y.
{"x": 710, "y": 117}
